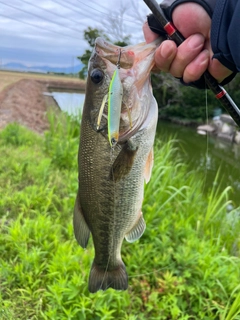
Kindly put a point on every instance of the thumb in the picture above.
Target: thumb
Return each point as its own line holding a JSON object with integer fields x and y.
{"x": 148, "y": 34}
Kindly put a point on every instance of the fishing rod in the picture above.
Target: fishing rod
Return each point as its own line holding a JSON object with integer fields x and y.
{"x": 219, "y": 92}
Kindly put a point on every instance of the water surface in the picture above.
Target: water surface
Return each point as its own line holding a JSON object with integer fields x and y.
{"x": 70, "y": 102}
{"x": 206, "y": 154}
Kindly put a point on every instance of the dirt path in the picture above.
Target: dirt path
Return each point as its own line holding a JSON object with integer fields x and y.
{"x": 23, "y": 101}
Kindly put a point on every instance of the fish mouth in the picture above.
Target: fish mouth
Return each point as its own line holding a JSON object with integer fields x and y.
{"x": 135, "y": 63}
{"x": 110, "y": 52}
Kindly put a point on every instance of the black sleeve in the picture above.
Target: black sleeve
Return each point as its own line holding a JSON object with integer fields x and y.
{"x": 225, "y": 36}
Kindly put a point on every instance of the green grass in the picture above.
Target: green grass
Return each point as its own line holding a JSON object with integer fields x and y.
{"x": 185, "y": 266}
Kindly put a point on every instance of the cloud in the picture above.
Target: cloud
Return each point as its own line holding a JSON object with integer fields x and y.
{"x": 51, "y": 31}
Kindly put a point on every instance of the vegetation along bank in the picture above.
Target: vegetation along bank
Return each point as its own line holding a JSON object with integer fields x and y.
{"x": 186, "y": 265}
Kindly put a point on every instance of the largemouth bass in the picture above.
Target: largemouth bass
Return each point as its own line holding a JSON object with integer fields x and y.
{"x": 111, "y": 180}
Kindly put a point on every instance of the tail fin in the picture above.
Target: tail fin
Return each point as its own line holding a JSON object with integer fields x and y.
{"x": 101, "y": 279}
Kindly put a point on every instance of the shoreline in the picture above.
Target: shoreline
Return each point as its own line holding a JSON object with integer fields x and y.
{"x": 23, "y": 101}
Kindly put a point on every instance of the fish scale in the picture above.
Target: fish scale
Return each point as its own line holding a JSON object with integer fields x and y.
{"x": 111, "y": 181}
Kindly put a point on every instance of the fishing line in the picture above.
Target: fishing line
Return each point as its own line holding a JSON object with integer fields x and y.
{"x": 111, "y": 154}
{"x": 99, "y": 210}
{"x": 111, "y": 179}
{"x": 207, "y": 146}
{"x": 112, "y": 240}
{"x": 105, "y": 273}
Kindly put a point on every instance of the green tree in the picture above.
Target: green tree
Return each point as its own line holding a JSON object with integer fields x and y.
{"x": 233, "y": 89}
{"x": 166, "y": 89}
{"x": 178, "y": 101}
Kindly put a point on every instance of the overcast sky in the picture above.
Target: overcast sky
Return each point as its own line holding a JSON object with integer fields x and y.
{"x": 50, "y": 32}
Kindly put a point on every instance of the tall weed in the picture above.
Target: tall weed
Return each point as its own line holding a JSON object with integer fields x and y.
{"x": 16, "y": 135}
{"x": 61, "y": 141}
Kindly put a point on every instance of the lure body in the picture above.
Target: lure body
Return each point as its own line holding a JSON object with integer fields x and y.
{"x": 114, "y": 107}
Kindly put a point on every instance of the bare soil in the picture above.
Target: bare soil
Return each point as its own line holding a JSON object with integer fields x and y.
{"x": 23, "y": 100}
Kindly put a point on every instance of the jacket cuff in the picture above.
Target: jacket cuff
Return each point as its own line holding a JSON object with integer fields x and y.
{"x": 201, "y": 84}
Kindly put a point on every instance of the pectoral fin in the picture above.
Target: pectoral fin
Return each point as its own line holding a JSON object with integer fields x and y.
{"x": 81, "y": 230}
{"x": 148, "y": 166}
{"x": 124, "y": 162}
{"x": 137, "y": 231}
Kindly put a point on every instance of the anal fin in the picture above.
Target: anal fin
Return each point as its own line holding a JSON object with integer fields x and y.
{"x": 137, "y": 231}
{"x": 81, "y": 230}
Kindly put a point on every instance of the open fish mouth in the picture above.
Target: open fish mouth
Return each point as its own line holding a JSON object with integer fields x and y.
{"x": 110, "y": 52}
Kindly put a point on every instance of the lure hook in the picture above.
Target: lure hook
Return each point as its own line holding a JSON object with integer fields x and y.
{"x": 119, "y": 58}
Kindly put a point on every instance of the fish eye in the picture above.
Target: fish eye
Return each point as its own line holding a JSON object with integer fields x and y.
{"x": 96, "y": 75}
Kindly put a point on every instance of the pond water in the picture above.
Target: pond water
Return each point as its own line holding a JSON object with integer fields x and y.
{"x": 70, "y": 102}
{"x": 206, "y": 154}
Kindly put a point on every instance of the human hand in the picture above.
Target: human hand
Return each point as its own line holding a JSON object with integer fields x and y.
{"x": 194, "y": 56}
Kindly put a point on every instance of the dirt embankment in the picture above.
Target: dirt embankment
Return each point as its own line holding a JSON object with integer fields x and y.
{"x": 23, "y": 101}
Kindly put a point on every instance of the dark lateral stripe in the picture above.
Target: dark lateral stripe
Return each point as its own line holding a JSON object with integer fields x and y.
{"x": 221, "y": 94}
{"x": 169, "y": 28}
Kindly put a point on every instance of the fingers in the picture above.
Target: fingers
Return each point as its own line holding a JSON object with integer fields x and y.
{"x": 187, "y": 61}
{"x": 195, "y": 69}
{"x": 165, "y": 54}
{"x": 186, "y": 53}
{"x": 194, "y": 56}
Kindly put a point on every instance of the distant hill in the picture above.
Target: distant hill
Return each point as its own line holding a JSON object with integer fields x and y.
{"x": 44, "y": 69}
